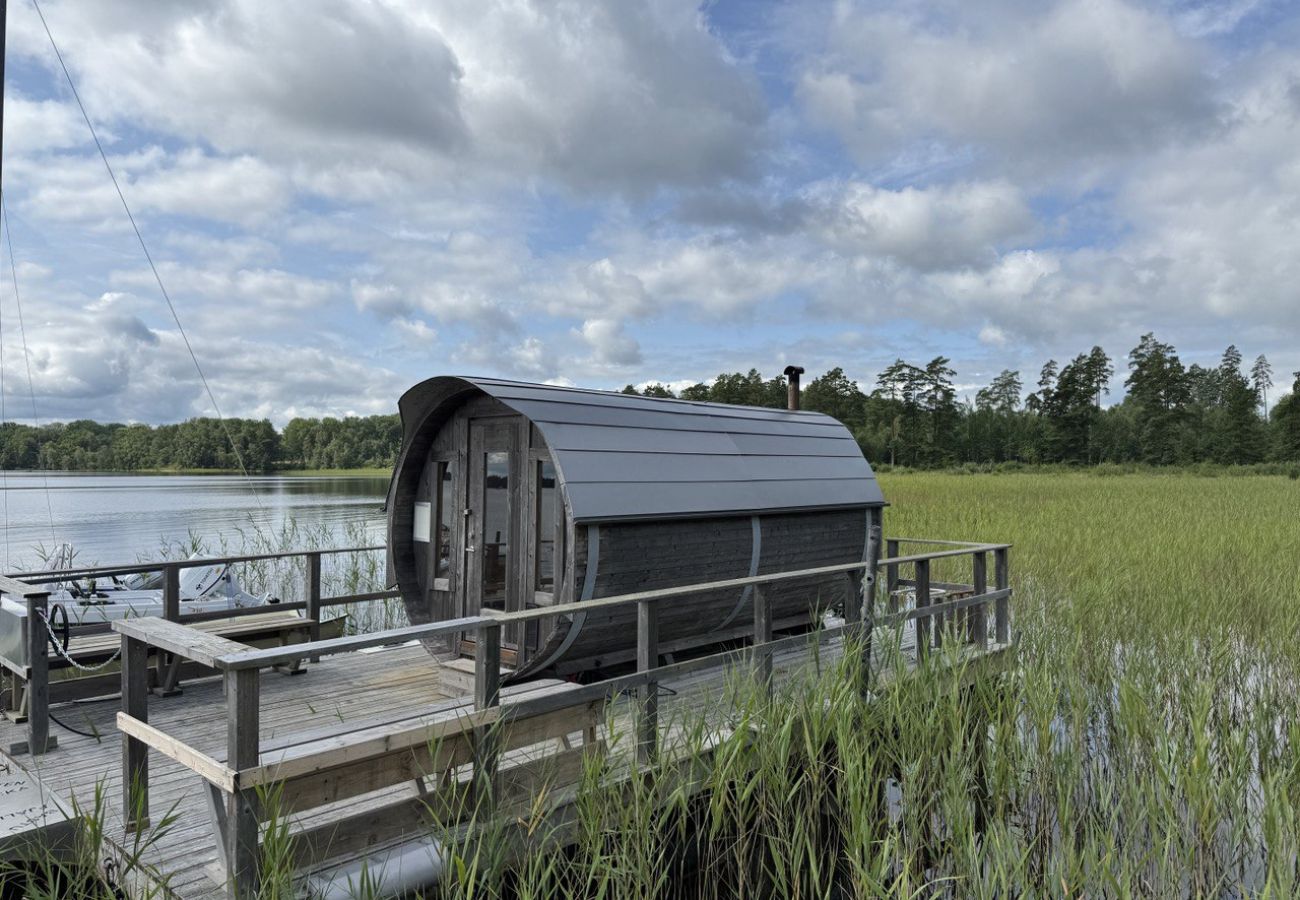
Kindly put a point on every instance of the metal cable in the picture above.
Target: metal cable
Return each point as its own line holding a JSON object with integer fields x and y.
{"x": 4, "y": 476}
{"x": 27, "y": 359}
{"x": 147, "y": 255}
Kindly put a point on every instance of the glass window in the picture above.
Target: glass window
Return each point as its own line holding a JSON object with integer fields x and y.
{"x": 545, "y": 526}
{"x": 442, "y": 510}
{"x": 496, "y": 527}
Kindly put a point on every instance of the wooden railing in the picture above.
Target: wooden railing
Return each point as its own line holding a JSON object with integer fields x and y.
{"x": 237, "y": 777}
{"x": 32, "y": 589}
{"x": 35, "y": 675}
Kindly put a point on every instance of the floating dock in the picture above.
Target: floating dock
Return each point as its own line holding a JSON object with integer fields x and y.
{"x": 377, "y": 735}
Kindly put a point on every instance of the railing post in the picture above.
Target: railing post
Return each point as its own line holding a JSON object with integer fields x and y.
{"x": 867, "y": 588}
{"x": 923, "y": 623}
{"x": 891, "y": 575}
{"x": 1002, "y": 580}
{"x": 172, "y": 592}
{"x": 38, "y": 676}
{"x": 135, "y": 753}
{"x": 313, "y": 597}
{"x": 168, "y": 664}
{"x": 979, "y": 614}
{"x": 487, "y": 694}
{"x": 762, "y": 637}
{"x": 243, "y": 722}
{"x": 647, "y": 659}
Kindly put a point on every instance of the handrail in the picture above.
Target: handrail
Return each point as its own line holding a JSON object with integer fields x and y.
{"x": 159, "y": 565}
{"x": 279, "y": 655}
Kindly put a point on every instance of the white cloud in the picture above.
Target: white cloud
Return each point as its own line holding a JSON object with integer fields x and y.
{"x": 609, "y": 344}
{"x": 1029, "y": 87}
{"x": 924, "y": 228}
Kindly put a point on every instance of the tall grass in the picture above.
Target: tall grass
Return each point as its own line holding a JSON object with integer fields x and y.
{"x": 1145, "y": 742}
{"x": 286, "y": 579}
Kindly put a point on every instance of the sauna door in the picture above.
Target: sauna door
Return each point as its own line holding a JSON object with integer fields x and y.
{"x": 489, "y": 561}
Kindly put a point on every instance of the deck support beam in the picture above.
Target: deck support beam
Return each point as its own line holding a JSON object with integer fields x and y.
{"x": 647, "y": 660}
{"x": 243, "y": 715}
{"x": 925, "y": 625}
{"x": 135, "y": 754}
{"x": 1002, "y": 580}
{"x": 487, "y": 694}
{"x": 763, "y": 637}
{"x": 979, "y": 615}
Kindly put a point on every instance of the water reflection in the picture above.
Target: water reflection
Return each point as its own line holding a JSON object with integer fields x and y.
{"x": 112, "y": 518}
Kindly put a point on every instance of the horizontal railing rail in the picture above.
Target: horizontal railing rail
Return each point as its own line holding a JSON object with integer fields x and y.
{"x": 159, "y": 565}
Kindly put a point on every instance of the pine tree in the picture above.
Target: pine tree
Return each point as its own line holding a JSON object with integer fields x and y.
{"x": 1261, "y": 375}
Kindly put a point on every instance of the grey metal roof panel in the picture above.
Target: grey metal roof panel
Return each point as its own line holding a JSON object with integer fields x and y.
{"x": 623, "y": 456}
{"x": 521, "y": 391}
{"x": 668, "y": 419}
{"x": 561, "y": 436}
{"x": 596, "y": 465}
{"x": 606, "y": 501}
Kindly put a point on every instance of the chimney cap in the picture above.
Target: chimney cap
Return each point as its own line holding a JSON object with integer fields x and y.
{"x": 793, "y": 370}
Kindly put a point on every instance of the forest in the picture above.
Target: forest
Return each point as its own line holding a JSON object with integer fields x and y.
{"x": 1171, "y": 414}
{"x": 204, "y": 443}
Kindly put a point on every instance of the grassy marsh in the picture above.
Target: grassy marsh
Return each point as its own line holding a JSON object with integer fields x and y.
{"x": 1145, "y": 742}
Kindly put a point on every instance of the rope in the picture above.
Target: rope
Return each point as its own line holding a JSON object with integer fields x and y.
{"x": 27, "y": 358}
{"x": 147, "y": 255}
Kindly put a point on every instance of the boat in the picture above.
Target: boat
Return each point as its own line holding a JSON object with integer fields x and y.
{"x": 89, "y": 601}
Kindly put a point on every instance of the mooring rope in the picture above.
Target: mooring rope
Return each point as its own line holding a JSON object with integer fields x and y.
{"x": 148, "y": 256}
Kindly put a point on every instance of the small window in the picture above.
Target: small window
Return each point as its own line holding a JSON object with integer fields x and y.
{"x": 442, "y": 510}
{"x": 545, "y": 526}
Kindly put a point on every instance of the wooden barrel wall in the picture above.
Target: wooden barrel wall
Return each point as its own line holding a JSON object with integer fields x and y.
{"x": 639, "y": 556}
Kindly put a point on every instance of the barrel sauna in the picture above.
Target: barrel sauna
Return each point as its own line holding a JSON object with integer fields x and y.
{"x": 513, "y": 496}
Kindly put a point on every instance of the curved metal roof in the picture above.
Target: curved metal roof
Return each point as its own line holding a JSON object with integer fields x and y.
{"x": 622, "y": 456}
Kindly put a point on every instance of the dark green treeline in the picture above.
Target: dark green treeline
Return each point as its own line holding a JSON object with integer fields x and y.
{"x": 1171, "y": 414}
{"x": 203, "y": 444}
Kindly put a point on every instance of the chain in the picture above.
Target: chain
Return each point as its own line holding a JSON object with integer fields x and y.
{"x": 58, "y": 648}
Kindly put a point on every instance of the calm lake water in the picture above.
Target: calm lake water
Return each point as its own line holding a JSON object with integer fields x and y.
{"x": 120, "y": 518}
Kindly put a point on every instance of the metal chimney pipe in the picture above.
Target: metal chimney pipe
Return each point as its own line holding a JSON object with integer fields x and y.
{"x": 792, "y": 374}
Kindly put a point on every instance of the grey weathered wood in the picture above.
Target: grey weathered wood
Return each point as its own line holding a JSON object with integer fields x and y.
{"x": 1002, "y": 581}
{"x": 313, "y": 597}
{"x": 487, "y": 694}
{"x": 243, "y": 658}
{"x": 191, "y": 643}
{"x": 38, "y": 676}
{"x": 979, "y": 616}
{"x": 925, "y": 625}
{"x": 763, "y": 637}
{"x": 945, "y": 607}
{"x": 891, "y": 574}
{"x": 243, "y": 722}
{"x": 647, "y": 660}
{"x": 135, "y": 755}
{"x": 171, "y": 592}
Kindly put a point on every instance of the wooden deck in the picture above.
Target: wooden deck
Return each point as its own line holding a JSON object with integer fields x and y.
{"x": 390, "y": 683}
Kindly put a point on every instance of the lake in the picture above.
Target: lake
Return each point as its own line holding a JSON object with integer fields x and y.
{"x": 120, "y": 518}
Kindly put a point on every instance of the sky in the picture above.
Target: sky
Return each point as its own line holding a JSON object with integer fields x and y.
{"x": 346, "y": 197}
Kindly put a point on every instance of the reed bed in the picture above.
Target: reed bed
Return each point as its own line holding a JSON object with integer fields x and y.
{"x": 1145, "y": 741}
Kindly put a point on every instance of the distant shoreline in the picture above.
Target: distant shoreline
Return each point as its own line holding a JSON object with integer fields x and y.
{"x": 373, "y": 471}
